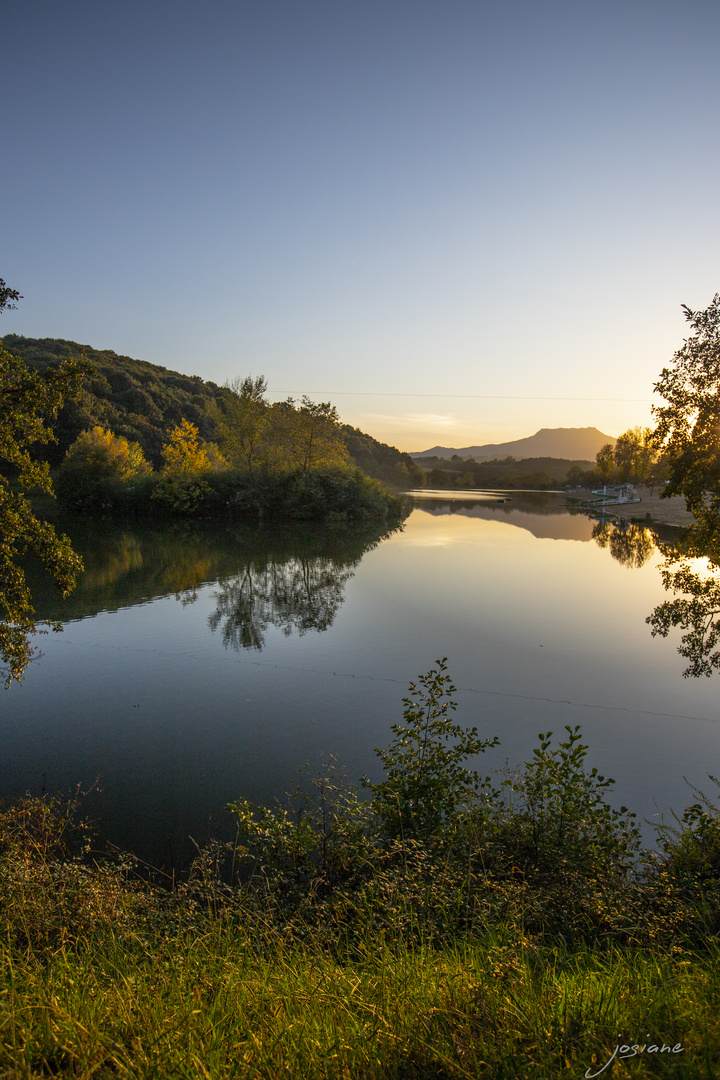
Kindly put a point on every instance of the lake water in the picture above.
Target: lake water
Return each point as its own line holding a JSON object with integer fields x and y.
{"x": 200, "y": 665}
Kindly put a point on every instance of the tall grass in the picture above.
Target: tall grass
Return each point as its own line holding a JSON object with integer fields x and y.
{"x": 231, "y": 998}
{"x": 451, "y": 926}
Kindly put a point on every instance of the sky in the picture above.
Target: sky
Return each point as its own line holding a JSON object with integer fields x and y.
{"x": 457, "y": 221}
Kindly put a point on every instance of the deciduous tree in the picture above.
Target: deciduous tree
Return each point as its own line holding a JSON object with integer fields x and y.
{"x": 99, "y": 453}
{"x": 28, "y": 400}
{"x": 186, "y": 452}
{"x": 310, "y": 436}
{"x": 635, "y": 452}
{"x": 688, "y": 429}
{"x": 695, "y": 609}
{"x": 688, "y": 425}
{"x": 244, "y": 422}
{"x": 605, "y": 460}
{"x": 187, "y": 461}
{"x": 96, "y": 467}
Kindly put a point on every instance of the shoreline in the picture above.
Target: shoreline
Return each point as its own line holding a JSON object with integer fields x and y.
{"x": 651, "y": 509}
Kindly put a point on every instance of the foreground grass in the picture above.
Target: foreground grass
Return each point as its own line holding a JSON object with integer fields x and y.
{"x": 441, "y": 929}
{"x": 226, "y": 996}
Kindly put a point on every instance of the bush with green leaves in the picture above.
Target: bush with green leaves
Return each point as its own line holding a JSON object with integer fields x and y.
{"x": 308, "y": 849}
{"x": 337, "y": 493}
{"x": 555, "y": 841}
{"x": 428, "y": 784}
{"x": 437, "y": 849}
{"x": 684, "y": 875}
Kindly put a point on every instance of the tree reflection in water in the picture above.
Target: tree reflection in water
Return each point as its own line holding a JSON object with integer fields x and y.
{"x": 690, "y": 571}
{"x": 631, "y": 545}
{"x": 289, "y": 577}
{"x": 697, "y": 609}
{"x": 299, "y": 593}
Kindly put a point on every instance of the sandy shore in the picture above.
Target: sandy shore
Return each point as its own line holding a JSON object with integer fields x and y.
{"x": 662, "y": 511}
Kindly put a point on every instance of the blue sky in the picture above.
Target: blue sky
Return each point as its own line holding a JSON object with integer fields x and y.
{"x": 458, "y": 221}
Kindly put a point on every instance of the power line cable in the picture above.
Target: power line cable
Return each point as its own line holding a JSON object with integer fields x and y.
{"x": 484, "y": 693}
{"x": 191, "y": 654}
{"x": 487, "y": 397}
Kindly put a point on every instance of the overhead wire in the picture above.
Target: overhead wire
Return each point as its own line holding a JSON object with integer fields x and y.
{"x": 487, "y": 397}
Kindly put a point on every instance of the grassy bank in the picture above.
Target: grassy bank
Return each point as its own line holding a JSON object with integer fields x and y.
{"x": 449, "y": 924}
{"x": 225, "y": 996}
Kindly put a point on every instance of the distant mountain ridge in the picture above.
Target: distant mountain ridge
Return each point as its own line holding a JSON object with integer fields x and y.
{"x": 572, "y": 443}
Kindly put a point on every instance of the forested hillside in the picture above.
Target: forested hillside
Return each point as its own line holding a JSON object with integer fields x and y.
{"x": 142, "y": 402}
{"x": 508, "y": 473}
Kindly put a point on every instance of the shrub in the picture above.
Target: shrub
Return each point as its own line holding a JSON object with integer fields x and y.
{"x": 555, "y": 843}
{"x": 428, "y": 785}
{"x": 437, "y": 850}
{"x": 97, "y": 467}
{"x": 684, "y": 876}
{"x": 182, "y": 493}
{"x": 317, "y": 844}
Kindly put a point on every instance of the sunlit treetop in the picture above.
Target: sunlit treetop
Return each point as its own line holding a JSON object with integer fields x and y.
{"x": 101, "y": 453}
{"x": 186, "y": 452}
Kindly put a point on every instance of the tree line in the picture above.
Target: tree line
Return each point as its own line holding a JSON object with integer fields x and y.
{"x": 535, "y": 473}
{"x": 637, "y": 457}
{"x": 142, "y": 402}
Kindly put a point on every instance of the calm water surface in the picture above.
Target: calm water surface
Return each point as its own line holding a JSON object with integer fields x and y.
{"x": 197, "y": 666}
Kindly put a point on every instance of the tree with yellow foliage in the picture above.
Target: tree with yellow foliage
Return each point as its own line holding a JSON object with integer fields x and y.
{"x": 97, "y": 467}
{"x": 186, "y": 452}
{"x": 99, "y": 453}
{"x": 187, "y": 460}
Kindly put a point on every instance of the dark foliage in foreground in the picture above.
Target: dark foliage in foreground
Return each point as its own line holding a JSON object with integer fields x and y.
{"x": 441, "y": 850}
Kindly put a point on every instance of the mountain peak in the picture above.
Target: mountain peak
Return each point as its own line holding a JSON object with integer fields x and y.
{"x": 575, "y": 444}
